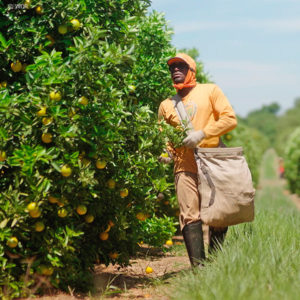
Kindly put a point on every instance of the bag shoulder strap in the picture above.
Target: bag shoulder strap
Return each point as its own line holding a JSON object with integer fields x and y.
{"x": 181, "y": 111}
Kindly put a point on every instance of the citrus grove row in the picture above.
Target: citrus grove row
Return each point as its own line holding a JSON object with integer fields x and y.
{"x": 80, "y": 182}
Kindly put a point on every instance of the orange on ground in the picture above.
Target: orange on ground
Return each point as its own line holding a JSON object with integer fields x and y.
{"x": 149, "y": 270}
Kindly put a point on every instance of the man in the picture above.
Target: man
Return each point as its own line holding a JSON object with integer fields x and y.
{"x": 211, "y": 116}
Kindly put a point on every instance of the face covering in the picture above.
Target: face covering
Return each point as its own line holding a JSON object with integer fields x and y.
{"x": 190, "y": 79}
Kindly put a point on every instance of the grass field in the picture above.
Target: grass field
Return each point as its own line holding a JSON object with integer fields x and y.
{"x": 259, "y": 260}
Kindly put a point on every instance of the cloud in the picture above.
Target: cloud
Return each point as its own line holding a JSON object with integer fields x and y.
{"x": 273, "y": 25}
{"x": 249, "y": 74}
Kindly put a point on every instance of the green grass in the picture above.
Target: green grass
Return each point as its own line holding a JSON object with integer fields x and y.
{"x": 259, "y": 260}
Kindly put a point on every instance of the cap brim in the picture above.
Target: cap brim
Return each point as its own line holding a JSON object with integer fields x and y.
{"x": 176, "y": 59}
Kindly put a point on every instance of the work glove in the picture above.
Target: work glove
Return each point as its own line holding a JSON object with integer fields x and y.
{"x": 165, "y": 158}
{"x": 193, "y": 139}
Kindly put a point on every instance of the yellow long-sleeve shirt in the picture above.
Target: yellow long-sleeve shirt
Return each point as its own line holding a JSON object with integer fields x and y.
{"x": 209, "y": 110}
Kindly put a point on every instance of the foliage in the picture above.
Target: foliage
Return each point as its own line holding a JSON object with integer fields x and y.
{"x": 158, "y": 230}
{"x": 264, "y": 120}
{"x": 286, "y": 124}
{"x": 78, "y": 128}
{"x": 292, "y": 161}
{"x": 254, "y": 145}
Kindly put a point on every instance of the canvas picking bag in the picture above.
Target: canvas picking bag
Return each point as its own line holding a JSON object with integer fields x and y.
{"x": 224, "y": 182}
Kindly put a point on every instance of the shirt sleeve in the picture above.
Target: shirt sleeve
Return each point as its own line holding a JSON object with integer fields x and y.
{"x": 224, "y": 117}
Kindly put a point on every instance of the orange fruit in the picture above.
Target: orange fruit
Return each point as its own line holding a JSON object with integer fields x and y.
{"x": 39, "y": 226}
{"x": 75, "y": 24}
{"x": 16, "y": 66}
{"x": 111, "y": 184}
{"x": 36, "y": 213}
{"x": 89, "y": 218}
{"x": 47, "y": 137}
{"x": 131, "y": 88}
{"x": 149, "y": 270}
{"x": 52, "y": 199}
{"x": 42, "y": 112}
{"x": 39, "y": 10}
{"x": 62, "y": 213}
{"x": 55, "y": 96}
{"x": 141, "y": 216}
{"x": 32, "y": 206}
{"x": 66, "y": 171}
{"x": 47, "y": 121}
{"x": 83, "y": 100}
{"x": 3, "y": 84}
{"x": 62, "y": 29}
{"x": 113, "y": 255}
{"x": 108, "y": 228}
{"x": 104, "y": 236}
{"x": 101, "y": 164}
{"x": 45, "y": 270}
{"x": 169, "y": 242}
{"x": 12, "y": 242}
{"x": 48, "y": 271}
{"x": 81, "y": 209}
{"x": 27, "y": 3}
{"x": 2, "y": 155}
{"x": 124, "y": 193}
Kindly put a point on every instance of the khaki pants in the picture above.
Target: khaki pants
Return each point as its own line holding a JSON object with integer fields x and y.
{"x": 189, "y": 200}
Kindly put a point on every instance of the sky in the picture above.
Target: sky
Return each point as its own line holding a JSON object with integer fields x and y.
{"x": 250, "y": 49}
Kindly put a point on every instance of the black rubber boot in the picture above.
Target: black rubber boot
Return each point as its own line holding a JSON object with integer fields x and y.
{"x": 193, "y": 238}
{"x": 216, "y": 238}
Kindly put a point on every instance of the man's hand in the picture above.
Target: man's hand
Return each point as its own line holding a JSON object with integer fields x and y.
{"x": 164, "y": 158}
{"x": 193, "y": 139}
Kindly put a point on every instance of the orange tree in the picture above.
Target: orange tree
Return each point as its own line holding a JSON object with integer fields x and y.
{"x": 80, "y": 85}
{"x": 254, "y": 145}
{"x": 292, "y": 161}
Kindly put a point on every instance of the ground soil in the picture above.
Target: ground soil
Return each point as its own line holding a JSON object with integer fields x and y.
{"x": 132, "y": 282}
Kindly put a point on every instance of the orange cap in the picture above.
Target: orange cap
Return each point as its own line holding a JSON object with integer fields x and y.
{"x": 190, "y": 79}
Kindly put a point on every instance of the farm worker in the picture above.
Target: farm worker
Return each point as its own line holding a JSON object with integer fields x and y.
{"x": 281, "y": 167}
{"x": 211, "y": 116}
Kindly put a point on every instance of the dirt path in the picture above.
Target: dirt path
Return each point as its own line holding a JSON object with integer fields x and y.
{"x": 132, "y": 282}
